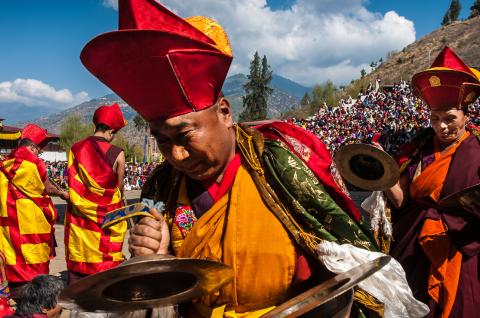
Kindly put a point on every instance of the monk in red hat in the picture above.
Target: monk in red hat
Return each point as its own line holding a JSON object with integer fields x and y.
{"x": 27, "y": 214}
{"x": 95, "y": 178}
{"x": 258, "y": 199}
{"x": 438, "y": 246}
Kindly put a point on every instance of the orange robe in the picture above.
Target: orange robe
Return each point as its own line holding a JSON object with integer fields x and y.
{"x": 94, "y": 191}
{"x": 27, "y": 216}
{"x": 446, "y": 260}
{"x": 262, "y": 272}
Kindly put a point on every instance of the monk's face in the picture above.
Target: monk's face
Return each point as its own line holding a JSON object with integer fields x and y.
{"x": 200, "y": 144}
{"x": 449, "y": 125}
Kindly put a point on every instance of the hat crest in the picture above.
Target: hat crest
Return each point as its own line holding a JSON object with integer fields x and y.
{"x": 448, "y": 83}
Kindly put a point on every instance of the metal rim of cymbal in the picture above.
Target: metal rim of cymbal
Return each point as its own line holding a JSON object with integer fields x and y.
{"x": 467, "y": 198}
{"x": 390, "y": 176}
{"x": 99, "y": 292}
{"x": 327, "y": 290}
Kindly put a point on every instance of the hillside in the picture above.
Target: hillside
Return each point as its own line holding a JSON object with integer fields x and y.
{"x": 462, "y": 36}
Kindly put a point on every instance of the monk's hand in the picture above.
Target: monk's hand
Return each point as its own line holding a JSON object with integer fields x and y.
{"x": 149, "y": 236}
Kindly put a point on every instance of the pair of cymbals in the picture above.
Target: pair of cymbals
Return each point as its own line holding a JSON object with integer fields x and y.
{"x": 367, "y": 167}
{"x": 152, "y": 281}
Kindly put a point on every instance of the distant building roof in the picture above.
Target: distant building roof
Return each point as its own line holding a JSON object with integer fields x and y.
{"x": 9, "y": 129}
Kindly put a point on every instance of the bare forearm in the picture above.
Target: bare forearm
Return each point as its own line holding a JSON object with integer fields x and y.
{"x": 398, "y": 194}
{"x": 395, "y": 196}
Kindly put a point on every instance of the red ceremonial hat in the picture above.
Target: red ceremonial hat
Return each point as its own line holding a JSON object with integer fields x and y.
{"x": 36, "y": 134}
{"x": 158, "y": 63}
{"x": 448, "y": 83}
{"x": 111, "y": 116}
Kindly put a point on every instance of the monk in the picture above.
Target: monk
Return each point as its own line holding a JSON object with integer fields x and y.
{"x": 95, "y": 178}
{"x": 27, "y": 214}
{"x": 437, "y": 246}
{"x": 258, "y": 199}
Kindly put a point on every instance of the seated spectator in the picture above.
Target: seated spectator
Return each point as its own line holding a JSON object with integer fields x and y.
{"x": 39, "y": 298}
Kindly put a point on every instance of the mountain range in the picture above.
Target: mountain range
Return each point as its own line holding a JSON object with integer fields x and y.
{"x": 286, "y": 95}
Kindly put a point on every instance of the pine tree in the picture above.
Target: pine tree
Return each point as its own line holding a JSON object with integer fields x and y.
{"x": 257, "y": 90}
{"x": 306, "y": 100}
{"x": 363, "y": 73}
{"x": 452, "y": 13}
{"x": 475, "y": 9}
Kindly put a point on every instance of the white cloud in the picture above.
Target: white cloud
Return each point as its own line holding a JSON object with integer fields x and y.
{"x": 111, "y": 4}
{"x": 31, "y": 92}
{"x": 310, "y": 42}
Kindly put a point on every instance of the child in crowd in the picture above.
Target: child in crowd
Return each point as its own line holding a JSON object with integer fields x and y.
{"x": 39, "y": 298}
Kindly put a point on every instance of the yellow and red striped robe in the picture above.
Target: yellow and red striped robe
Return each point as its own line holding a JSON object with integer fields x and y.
{"x": 94, "y": 191}
{"x": 27, "y": 216}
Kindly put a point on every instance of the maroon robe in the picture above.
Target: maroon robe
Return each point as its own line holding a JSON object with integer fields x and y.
{"x": 463, "y": 230}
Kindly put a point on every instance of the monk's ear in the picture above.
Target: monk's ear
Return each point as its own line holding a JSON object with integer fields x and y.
{"x": 224, "y": 112}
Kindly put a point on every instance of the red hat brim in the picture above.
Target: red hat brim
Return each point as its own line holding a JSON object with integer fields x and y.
{"x": 441, "y": 88}
{"x": 152, "y": 70}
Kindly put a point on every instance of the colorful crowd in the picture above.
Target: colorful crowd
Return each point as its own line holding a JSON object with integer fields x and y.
{"x": 135, "y": 174}
{"x": 394, "y": 112}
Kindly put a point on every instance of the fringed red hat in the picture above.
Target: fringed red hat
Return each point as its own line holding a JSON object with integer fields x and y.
{"x": 158, "y": 63}
{"x": 448, "y": 83}
{"x": 111, "y": 116}
{"x": 36, "y": 134}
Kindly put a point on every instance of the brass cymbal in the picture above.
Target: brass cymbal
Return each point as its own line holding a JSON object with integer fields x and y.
{"x": 367, "y": 167}
{"x": 327, "y": 290}
{"x": 468, "y": 199}
{"x": 146, "y": 282}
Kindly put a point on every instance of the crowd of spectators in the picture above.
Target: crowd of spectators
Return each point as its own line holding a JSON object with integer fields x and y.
{"x": 135, "y": 174}
{"x": 393, "y": 113}
{"x": 57, "y": 172}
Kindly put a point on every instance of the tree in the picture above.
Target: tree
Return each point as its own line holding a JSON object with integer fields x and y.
{"x": 257, "y": 90}
{"x": 363, "y": 73}
{"x": 306, "y": 100}
{"x": 131, "y": 151}
{"x": 323, "y": 93}
{"x": 475, "y": 9}
{"x": 73, "y": 129}
{"x": 452, "y": 13}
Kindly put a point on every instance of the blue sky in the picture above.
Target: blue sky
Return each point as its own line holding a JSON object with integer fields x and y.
{"x": 40, "y": 40}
